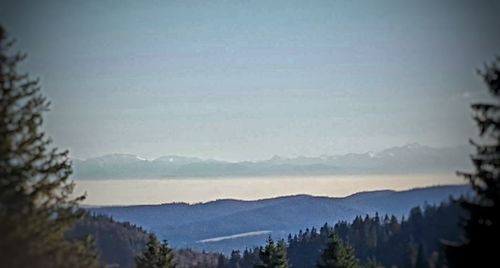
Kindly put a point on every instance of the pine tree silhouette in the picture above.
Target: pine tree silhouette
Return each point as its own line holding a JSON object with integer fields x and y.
{"x": 35, "y": 205}
{"x": 156, "y": 255}
{"x": 482, "y": 228}
{"x": 337, "y": 254}
{"x": 273, "y": 255}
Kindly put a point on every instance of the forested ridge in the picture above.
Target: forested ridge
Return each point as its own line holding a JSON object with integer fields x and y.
{"x": 119, "y": 243}
{"x": 385, "y": 240}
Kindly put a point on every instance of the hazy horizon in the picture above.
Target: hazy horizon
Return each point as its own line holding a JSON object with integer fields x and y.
{"x": 159, "y": 181}
{"x": 196, "y": 190}
{"x": 245, "y": 80}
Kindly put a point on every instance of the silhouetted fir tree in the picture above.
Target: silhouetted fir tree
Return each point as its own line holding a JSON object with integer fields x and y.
{"x": 221, "y": 261}
{"x": 482, "y": 228}
{"x": 337, "y": 254}
{"x": 156, "y": 255}
{"x": 148, "y": 257}
{"x": 265, "y": 254}
{"x": 273, "y": 255}
{"x": 280, "y": 259}
{"x": 35, "y": 205}
{"x": 166, "y": 256}
{"x": 235, "y": 259}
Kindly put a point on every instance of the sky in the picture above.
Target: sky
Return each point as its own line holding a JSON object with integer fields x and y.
{"x": 246, "y": 80}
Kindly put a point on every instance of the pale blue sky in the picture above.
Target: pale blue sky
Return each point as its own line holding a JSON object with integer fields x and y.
{"x": 244, "y": 80}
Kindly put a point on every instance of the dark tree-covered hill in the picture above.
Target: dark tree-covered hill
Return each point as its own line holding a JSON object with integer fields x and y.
{"x": 379, "y": 241}
{"x": 118, "y": 243}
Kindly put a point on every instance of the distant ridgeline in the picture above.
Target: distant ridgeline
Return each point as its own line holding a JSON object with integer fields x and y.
{"x": 408, "y": 159}
{"x": 226, "y": 225}
{"x": 382, "y": 240}
{"x": 389, "y": 239}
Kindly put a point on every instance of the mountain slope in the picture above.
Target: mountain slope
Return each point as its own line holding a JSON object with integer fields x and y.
{"x": 186, "y": 225}
{"x": 118, "y": 243}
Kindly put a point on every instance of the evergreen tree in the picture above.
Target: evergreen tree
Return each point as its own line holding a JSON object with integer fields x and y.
{"x": 166, "y": 256}
{"x": 273, "y": 255}
{"x": 35, "y": 205}
{"x": 250, "y": 258}
{"x": 280, "y": 259}
{"x": 482, "y": 228}
{"x": 156, "y": 255}
{"x": 234, "y": 259}
{"x": 221, "y": 261}
{"x": 148, "y": 257}
{"x": 337, "y": 254}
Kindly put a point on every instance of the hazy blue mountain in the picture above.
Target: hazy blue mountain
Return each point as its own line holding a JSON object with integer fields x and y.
{"x": 223, "y": 225}
{"x": 411, "y": 158}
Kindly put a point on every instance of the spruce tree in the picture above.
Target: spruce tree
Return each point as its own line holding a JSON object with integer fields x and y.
{"x": 481, "y": 229}
{"x": 156, "y": 255}
{"x": 166, "y": 256}
{"x": 337, "y": 254}
{"x": 221, "y": 261}
{"x": 273, "y": 255}
{"x": 36, "y": 209}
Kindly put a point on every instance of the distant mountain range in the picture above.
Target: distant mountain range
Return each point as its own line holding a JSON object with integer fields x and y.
{"x": 228, "y": 224}
{"x": 411, "y": 158}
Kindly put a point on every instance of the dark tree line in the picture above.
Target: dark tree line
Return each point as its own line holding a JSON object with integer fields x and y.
{"x": 272, "y": 255}
{"x": 369, "y": 241}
